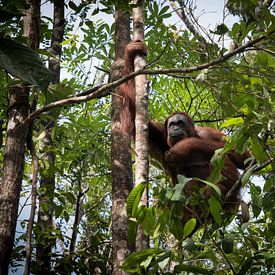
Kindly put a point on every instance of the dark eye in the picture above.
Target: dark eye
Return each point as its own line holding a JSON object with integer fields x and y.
{"x": 172, "y": 124}
{"x": 181, "y": 123}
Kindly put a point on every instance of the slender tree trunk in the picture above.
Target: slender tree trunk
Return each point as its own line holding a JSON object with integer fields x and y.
{"x": 32, "y": 32}
{"x": 76, "y": 216}
{"x": 35, "y": 165}
{"x": 45, "y": 214}
{"x": 121, "y": 156}
{"x": 1, "y": 133}
{"x": 141, "y": 122}
{"x": 13, "y": 171}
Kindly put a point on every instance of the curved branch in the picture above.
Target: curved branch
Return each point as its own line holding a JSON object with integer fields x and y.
{"x": 104, "y": 89}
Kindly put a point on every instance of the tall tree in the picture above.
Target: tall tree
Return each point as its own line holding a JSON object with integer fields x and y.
{"x": 45, "y": 214}
{"x": 122, "y": 179}
{"x": 15, "y": 145}
{"x": 141, "y": 121}
{"x": 13, "y": 170}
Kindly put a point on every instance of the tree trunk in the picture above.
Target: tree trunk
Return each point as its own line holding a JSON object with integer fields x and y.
{"x": 32, "y": 32}
{"x": 141, "y": 122}
{"x": 121, "y": 156}
{"x": 13, "y": 171}
{"x": 77, "y": 216}
{"x": 45, "y": 214}
{"x": 15, "y": 146}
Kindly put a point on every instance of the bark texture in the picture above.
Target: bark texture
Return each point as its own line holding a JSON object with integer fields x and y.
{"x": 13, "y": 171}
{"x": 121, "y": 155}
{"x": 141, "y": 122}
{"x": 32, "y": 32}
{"x": 45, "y": 214}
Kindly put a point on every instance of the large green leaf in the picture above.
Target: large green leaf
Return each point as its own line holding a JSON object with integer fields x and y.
{"x": 258, "y": 149}
{"x": 132, "y": 231}
{"x": 148, "y": 223}
{"x": 22, "y": 62}
{"x": 135, "y": 262}
{"x": 212, "y": 185}
{"x": 189, "y": 227}
{"x": 134, "y": 221}
{"x": 178, "y": 192}
{"x": 232, "y": 121}
{"x": 215, "y": 209}
{"x": 134, "y": 199}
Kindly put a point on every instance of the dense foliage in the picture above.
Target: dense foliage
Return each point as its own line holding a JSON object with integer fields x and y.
{"x": 236, "y": 95}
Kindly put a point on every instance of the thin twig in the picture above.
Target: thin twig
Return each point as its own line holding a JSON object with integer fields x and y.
{"x": 31, "y": 147}
{"x": 182, "y": 15}
{"x": 237, "y": 185}
{"x": 225, "y": 257}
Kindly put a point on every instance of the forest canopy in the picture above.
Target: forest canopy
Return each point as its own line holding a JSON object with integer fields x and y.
{"x": 66, "y": 206}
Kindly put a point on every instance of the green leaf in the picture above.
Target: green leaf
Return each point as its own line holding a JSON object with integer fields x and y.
{"x": 22, "y": 62}
{"x": 132, "y": 231}
{"x": 234, "y": 31}
{"x": 175, "y": 227}
{"x": 148, "y": 223}
{"x": 178, "y": 192}
{"x": 58, "y": 210}
{"x": 183, "y": 180}
{"x": 215, "y": 209}
{"x": 269, "y": 200}
{"x": 253, "y": 242}
{"x": 70, "y": 197}
{"x": 96, "y": 11}
{"x": 134, "y": 199}
{"x": 221, "y": 29}
{"x": 257, "y": 149}
{"x": 212, "y": 185}
{"x": 227, "y": 245}
{"x": 147, "y": 262}
{"x": 268, "y": 255}
{"x": 189, "y": 227}
{"x": 217, "y": 162}
{"x": 60, "y": 198}
{"x": 248, "y": 173}
{"x": 141, "y": 212}
{"x": 162, "y": 264}
{"x": 246, "y": 265}
{"x": 134, "y": 260}
{"x": 164, "y": 10}
{"x": 73, "y": 6}
{"x": 66, "y": 216}
{"x": 192, "y": 269}
{"x": 161, "y": 223}
{"x": 189, "y": 244}
{"x": 232, "y": 122}
{"x": 41, "y": 135}
{"x": 169, "y": 193}
{"x": 163, "y": 13}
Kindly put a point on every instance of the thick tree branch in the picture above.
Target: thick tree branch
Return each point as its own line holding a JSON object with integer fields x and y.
{"x": 104, "y": 89}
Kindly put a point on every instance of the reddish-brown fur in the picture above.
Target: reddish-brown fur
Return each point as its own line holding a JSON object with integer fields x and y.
{"x": 127, "y": 90}
{"x": 190, "y": 156}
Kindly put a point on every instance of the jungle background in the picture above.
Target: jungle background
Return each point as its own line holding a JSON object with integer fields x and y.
{"x": 56, "y": 170}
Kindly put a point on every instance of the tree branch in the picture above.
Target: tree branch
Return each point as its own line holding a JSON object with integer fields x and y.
{"x": 182, "y": 15}
{"x": 104, "y": 89}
